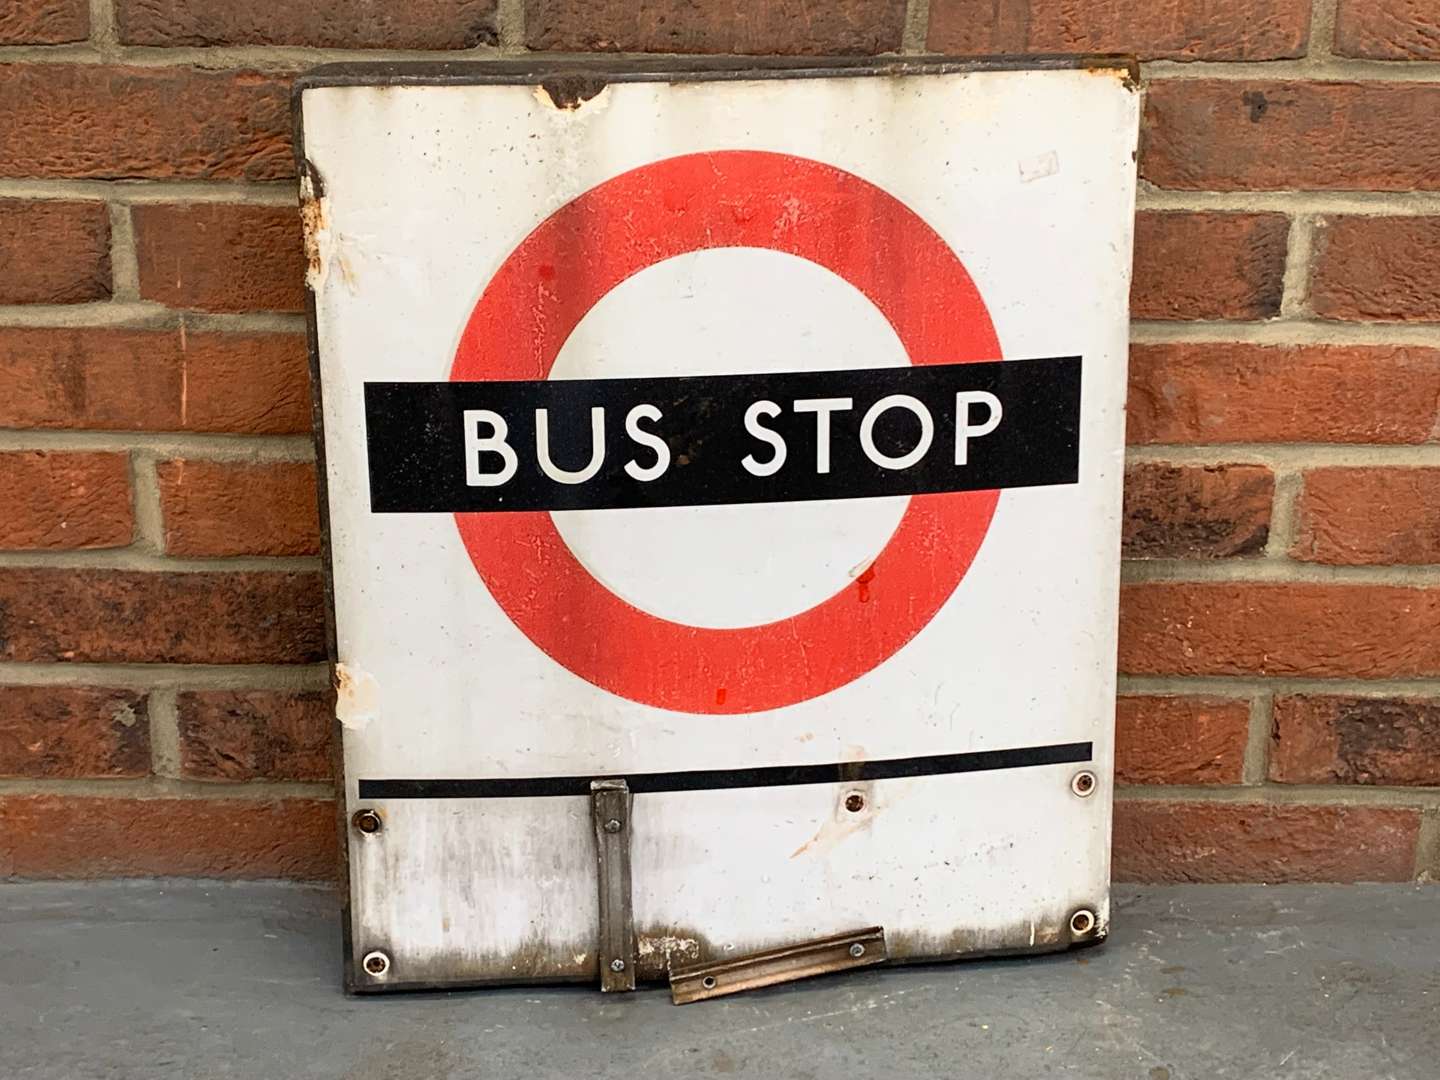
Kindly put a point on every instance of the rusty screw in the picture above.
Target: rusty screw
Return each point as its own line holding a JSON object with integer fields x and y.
{"x": 613, "y": 825}
{"x": 857, "y": 950}
{"x": 1082, "y": 922}
{"x": 617, "y": 966}
{"x": 376, "y": 963}
{"x": 1083, "y": 784}
{"x": 854, "y": 802}
{"x": 367, "y": 821}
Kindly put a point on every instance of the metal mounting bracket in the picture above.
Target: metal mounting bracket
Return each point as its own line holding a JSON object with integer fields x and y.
{"x": 858, "y": 948}
{"x": 610, "y": 805}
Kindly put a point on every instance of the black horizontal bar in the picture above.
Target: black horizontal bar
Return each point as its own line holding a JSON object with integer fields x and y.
{"x": 838, "y": 772}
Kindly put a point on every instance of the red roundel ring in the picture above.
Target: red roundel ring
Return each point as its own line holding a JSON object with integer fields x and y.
{"x": 725, "y": 199}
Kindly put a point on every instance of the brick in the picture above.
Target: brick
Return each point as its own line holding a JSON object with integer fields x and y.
{"x": 1153, "y": 29}
{"x": 54, "y": 252}
{"x": 255, "y": 734}
{"x": 67, "y": 732}
{"x": 335, "y": 24}
{"x": 1180, "y": 740}
{"x": 44, "y": 22}
{"x": 99, "y": 122}
{"x": 1388, "y": 29}
{"x": 1196, "y": 511}
{"x": 1363, "y": 517}
{"x": 59, "y": 500}
{"x": 124, "y": 616}
{"x": 54, "y": 836}
{"x": 1161, "y": 842}
{"x": 221, "y": 257}
{"x": 154, "y": 380}
{"x": 782, "y": 27}
{"x": 236, "y": 508}
{"x": 1356, "y": 740}
{"x": 1208, "y": 266}
{"x": 1377, "y": 269}
{"x": 1225, "y": 392}
{"x": 1239, "y": 134}
{"x": 1301, "y": 629}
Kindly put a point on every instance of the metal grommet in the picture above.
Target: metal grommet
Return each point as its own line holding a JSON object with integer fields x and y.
{"x": 367, "y": 821}
{"x": 1082, "y": 922}
{"x": 708, "y": 982}
{"x": 1083, "y": 783}
{"x": 376, "y": 963}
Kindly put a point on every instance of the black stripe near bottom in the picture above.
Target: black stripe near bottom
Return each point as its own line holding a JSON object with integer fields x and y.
{"x": 839, "y": 772}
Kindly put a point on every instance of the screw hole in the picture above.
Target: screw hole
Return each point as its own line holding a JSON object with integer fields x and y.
{"x": 376, "y": 963}
{"x": 367, "y": 821}
{"x": 1083, "y": 783}
{"x": 1082, "y": 922}
{"x": 854, "y": 802}
{"x": 708, "y": 982}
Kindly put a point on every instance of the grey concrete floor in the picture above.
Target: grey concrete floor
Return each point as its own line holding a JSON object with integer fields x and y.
{"x": 194, "y": 981}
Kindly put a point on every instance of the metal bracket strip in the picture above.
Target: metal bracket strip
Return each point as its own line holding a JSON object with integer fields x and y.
{"x": 610, "y": 806}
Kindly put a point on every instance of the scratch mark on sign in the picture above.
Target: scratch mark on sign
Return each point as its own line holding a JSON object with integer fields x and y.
{"x": 1040, "y": 166}
{"x": 356, "y": 697}
{"x": 319, "y": 240}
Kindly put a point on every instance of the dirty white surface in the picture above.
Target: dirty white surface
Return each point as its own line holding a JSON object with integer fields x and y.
{"x": 194, "y": 981}
{"x": 1029, "y": 178}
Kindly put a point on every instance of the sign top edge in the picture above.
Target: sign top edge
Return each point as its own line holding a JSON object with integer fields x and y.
{"x": 599, "y": 71}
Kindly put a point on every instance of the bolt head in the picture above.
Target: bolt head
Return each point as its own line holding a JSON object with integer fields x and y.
{"x": 857, "y": 950}
{"x": 617, "y": 965}
{"x": 613, "y": 826}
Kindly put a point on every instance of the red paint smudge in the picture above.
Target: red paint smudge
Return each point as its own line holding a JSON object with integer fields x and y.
{"x": 719, "y": 695}
{"x": 546, "y": 271}
{"x": 862, "y": 584}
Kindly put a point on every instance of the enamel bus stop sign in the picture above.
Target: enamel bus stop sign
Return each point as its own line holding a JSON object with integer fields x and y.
{"x": 747, "y": 441}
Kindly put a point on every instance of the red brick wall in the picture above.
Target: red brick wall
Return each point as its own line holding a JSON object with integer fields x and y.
{"x": 163, "y": 701}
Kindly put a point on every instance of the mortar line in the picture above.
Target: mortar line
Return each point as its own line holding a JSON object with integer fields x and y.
{"x": 1276, "y": 572}
{"x": 1321, "y": 45}
{"x": 239, "y": 448}
{"x": 146, "y": 315}
{"x": 293, "y": 58}
{"x": 1309, "y": 69}
{"x": 124, "y": 262}
{"x": 1246, "y": 686}
{"x": 283, "y": 59}
{"x": 1290, "y": 457}
{"x": 1420, "y": 798}
{"x": 103, "y": 36}
{"x": 1295, "y": 294}
{"x": 137, "y": 557}
{"x": 1285, "y": 332}
{"x": 164, "y": 732}
{"x": 149, "y": 538}
{"x": 298, "y": 677}
{"x": 510, "y": 26}
{"x": 1360, "y": 203}
{"x": 1283, "y": 511}
{"x": 915, "y": 36}
{"x": 159, "y": 787}
{"x": 1256, "y": 762}
{"x": 132, "y": 192}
